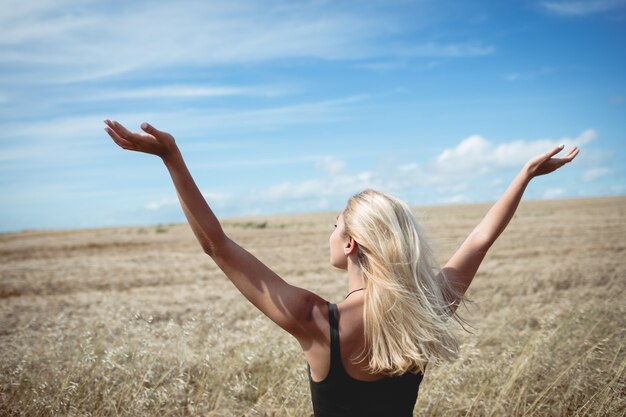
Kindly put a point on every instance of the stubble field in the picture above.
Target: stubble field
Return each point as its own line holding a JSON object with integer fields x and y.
{"x": 138, "y": 321}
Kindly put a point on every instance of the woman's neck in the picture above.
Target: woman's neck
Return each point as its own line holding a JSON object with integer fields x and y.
{"x": 355, "y": 276}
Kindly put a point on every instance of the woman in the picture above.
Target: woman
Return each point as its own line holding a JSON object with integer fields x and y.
{"x": 366, "y": 354}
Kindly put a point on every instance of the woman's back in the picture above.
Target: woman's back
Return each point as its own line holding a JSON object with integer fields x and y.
{"x": 340, "y": 386}
{"x": 351, "y": 336}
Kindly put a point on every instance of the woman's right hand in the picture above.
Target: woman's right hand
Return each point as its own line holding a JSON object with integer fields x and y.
{"x": 155, "y": 142}
{"x": 544, "y": 163}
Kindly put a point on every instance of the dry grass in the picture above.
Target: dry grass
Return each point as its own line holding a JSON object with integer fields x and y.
{"x": 138, "y": 321}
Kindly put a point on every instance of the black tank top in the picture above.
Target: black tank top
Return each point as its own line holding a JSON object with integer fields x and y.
{"x": 340, "y": 395}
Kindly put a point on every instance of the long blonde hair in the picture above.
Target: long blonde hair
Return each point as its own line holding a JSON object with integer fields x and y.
{"x": 408, "y": 303}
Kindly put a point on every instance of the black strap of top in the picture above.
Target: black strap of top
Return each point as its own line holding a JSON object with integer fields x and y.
{"x": 333, "y": 320}
{"x": 340, "y": 395}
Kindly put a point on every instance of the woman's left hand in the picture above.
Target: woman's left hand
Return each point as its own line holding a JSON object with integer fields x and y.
{"x": 545, "y": 163}
{"x": 155, "y": 142}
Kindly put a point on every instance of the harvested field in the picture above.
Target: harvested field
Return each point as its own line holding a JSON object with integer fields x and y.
{"x": 139, "y": 321}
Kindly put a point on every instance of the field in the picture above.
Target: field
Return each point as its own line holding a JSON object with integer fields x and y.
{"x": 138, "y": 321}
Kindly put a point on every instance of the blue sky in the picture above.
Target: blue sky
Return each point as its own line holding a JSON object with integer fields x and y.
{"x": 282, "y": 106}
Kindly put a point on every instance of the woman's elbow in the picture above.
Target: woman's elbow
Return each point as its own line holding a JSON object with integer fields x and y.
{"x": 482, "y": 241}
{"x": 213, "y": 246}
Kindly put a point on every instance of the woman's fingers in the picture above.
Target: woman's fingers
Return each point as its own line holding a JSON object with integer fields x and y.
{"x": 123, "y": 143}
{"x": 140, "y": 142}
{"x": 572, "y": 154}
{"x": 544, "y": 164}
{"x": 155, "y": 142}
{"x": 567, "y": 158}
{"x": 120, "y": 131}
{"x": 127, "y": 134}
{"x": 148, "y": 128}
{"x": 554, "y": 151}
{"x": 118, "y": 128}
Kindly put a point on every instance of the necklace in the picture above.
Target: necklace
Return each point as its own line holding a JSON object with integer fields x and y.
{"x": 351, "y": 292}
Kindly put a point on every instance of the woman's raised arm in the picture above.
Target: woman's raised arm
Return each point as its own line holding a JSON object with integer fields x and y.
{"x": 462, "y": 267}
{"x": 288, "y": 306}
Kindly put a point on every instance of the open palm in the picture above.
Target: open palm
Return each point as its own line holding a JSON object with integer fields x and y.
{"x": 155, "y": 142}
{"x": 545, "y": 163}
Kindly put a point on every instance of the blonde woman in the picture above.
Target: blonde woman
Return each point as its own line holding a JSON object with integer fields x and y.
{"x": 368, "y": 353}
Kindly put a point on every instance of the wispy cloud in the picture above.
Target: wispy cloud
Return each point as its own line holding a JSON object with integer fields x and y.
{"x": 552, "y": 193}
{"x": 212, "y": 197}
{"x": 446, "y": 50}
{"x": 183, "y": 91}
{"x": 528, "y": 75}
{"x": 454, "y": 199}
{"x": 617, "y": 100}
{"x": 85, "y": 41}
{"x": 331, "y": 164}
{"x": 595, "y": 173}
{"x": 339, "y": 185}
{"x": 582, "y": 8}
{"x": 288, "y": 196}
{"x": 402, "y": 63}
{"x": 68, "y": 137}
{"x": 72, "y": 41}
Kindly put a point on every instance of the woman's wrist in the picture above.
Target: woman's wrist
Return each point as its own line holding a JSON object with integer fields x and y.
{"x": 525, "y": 174}
{"x": 172, "y": 157}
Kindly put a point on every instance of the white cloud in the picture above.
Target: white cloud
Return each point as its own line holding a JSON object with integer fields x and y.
{"x": 409, "y": 167}
{"x": 617, "y": 100}
{"x": 582, "y": 8}
{"x": 258, "y": 162}
{"x": 405, "y": 63}
{"x": 618, "y": 189}
{"x": 452, "y": 188}
{"x": 70, "y": 41}
{"x": 213, "y": 198}
{"x": 455, "y": 199}
{"x": 475, "y": 155}
{"x": 273, "y": 117}
{"x": 183, "y": 91}
{"x": 415, "y": 175}
{"x": 528, "y": 75}
{"x": 68, "y": 137}
{"x": 595, "y": 173}
{"x": 472, "y": 153}
{"x": 585, "y": 138}
{"x": 157, "y": 205}
{"x": 450, "y": 50}
{"x": 552, "y": 193}
{"x": 341, "y": 185}
{"x": 331, "y": 165}
{"x": 87, "y": 41}
{"x": 50, "y": 141}
{"x": 447, "y": 185}
{"x": 446, "y": 174}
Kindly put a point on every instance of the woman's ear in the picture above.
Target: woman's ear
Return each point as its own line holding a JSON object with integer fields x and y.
{"x": 351, "y": 247}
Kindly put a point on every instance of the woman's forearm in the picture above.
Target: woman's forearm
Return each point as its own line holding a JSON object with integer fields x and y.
{"x": 203, "y": 222}
{"x": 498, "y": 217}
